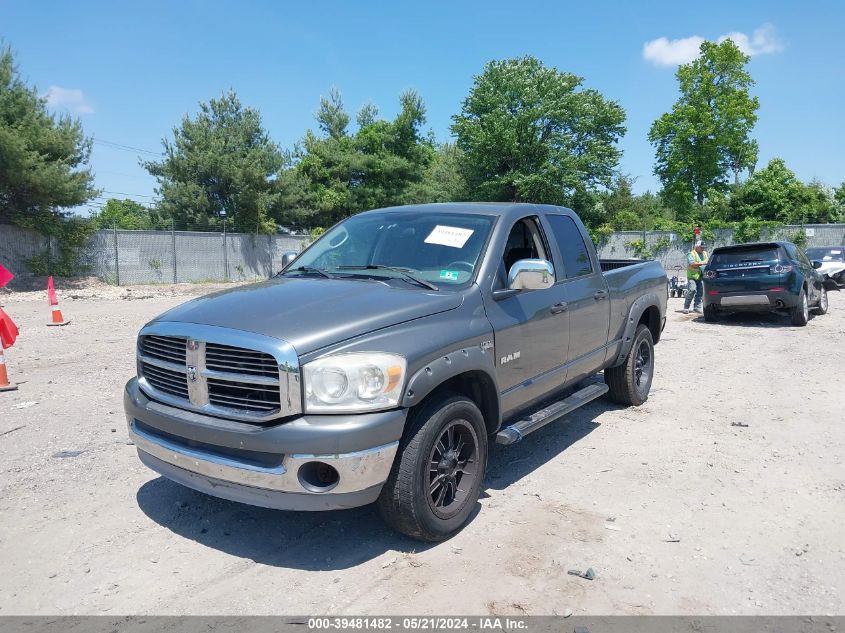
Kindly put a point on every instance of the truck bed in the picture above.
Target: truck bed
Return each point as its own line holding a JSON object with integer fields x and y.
{"x": 613, "y": 264}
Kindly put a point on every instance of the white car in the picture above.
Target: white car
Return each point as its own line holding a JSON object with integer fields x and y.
{"x": 832, "y": 259}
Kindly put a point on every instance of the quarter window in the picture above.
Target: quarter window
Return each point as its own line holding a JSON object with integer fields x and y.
{"x": 576, "y": 257}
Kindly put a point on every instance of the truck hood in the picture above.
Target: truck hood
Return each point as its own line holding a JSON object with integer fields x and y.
{"x": 311, "y": 313}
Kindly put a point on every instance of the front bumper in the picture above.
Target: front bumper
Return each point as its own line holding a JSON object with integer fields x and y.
{"x": 265, "y": 465}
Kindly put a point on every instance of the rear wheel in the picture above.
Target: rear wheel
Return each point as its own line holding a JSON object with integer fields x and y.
{"x": 436, "y": 479}
{"x": 630, "y": 382}
{"x": 801, "y": 312}
{"x": 711, "y": 314}
{"x": 821, "y": 308}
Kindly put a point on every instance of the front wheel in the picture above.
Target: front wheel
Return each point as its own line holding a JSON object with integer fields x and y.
{"x": 436, "y": 479}
{"x": 801, "y": 312}
{"x": 821, "y": 308}
{"x": 630, "y": 382}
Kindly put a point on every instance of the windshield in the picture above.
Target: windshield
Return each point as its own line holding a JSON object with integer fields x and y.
{"x": 417, "y": 248}
{"x": 827, "y": 254}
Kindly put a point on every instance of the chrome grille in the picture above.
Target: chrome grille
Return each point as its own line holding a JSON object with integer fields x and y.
{"x": 240, "y": 361}
{"x": 166, "y": 380}
{"x": 232, "y": 381}
{"x": 259, "y": 398}
{"x": 166, "y": 348}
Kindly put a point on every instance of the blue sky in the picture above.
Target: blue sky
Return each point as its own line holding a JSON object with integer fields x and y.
{"x": 131, "y": 70}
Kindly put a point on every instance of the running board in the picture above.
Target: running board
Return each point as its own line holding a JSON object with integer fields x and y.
{"x": 516, "y": 431}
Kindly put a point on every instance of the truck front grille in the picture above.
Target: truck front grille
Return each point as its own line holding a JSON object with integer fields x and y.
{"x": 166, "y": 380}
{"x": 214, "y": 378}
{"x": 166, "y": 348}
{"x": 241, "y": 361}
{"x": 259, "y": 398}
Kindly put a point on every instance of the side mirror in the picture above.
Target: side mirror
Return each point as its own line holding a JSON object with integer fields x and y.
{"x": 288, "y": 257}
{"x": 817, "y": 263}
{"x": 531, "y": 274}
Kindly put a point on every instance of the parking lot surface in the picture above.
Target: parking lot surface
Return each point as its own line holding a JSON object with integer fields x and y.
{"x": 723, "y": 494}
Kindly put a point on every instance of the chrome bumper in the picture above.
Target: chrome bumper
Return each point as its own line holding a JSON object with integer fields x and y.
{"x": 358, "y": 471}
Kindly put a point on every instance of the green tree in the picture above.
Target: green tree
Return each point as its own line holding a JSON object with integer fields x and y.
{"x": 443, "y": 180}
{"x": 122, "y": 214}
{"x": 221, "y": 162}
{"x": 332, "y": 117}
{"x": 43, "y": 158}
{"x": 775, "y": 193}
{"x": 707, "y": 133}
{"x": 839, "y": 196}
{"x": 531, "y": 133}
{"x": 339, "y": 173}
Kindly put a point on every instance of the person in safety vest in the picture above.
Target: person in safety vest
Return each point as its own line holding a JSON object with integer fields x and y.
{"x": 696, "y": 261}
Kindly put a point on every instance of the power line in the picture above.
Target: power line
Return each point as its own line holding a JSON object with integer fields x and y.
{"x": 122, "y": 193}
{"x": 125, "y": 148}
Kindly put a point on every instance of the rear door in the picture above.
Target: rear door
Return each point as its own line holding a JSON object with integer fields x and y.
{"x": 586, "y": 295}
{"x": 804, "y": 264}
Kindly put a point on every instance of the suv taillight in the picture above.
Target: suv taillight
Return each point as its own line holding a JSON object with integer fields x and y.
{"x": 780, "y": 269}
{"x": 710, "y": 274}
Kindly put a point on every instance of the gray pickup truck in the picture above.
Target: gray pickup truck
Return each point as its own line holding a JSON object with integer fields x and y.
{"x": 380, "y": 364}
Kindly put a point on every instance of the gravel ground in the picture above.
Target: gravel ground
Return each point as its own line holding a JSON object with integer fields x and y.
{"x": 676, "y": 509}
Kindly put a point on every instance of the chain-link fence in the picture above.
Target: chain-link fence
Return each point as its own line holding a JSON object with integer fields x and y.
{"x": 671, "y": 251}
{"x": 140, "y": 257}
{"x": 137, "y": 257}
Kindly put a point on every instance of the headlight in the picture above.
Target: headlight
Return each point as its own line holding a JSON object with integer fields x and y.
{"x": 353, "y": 382}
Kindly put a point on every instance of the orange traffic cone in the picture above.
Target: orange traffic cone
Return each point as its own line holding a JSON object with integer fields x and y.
{"x": 57, "y": 319}
{"x": 5, "y": 385}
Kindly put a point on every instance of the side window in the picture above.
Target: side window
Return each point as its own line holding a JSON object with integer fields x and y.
{"x": 524, "y": 242}
{"x": 576, "y": 257}
{"x": 804, "y": 258}
{"x": 792, "y": 252}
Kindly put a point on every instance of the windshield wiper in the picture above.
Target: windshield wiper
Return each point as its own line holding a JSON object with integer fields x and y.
{"x": 311, "y": 269}
{"x": 405, "y": 274}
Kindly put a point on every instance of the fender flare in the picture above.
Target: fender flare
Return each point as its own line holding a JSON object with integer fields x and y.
{"x": 448, "y": 365}
{"x": 635, "y": 312}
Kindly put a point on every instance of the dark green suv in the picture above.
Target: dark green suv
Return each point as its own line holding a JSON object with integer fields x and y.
{"x": 764, "y": 277}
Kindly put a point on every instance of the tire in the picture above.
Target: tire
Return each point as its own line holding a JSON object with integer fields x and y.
{"x": 801, "y": 312}
{"x": 711, "y": 314}
{"x": 427, "y": 503}
{"x": 821, "y": 308}
{"x": 630, "y": 382}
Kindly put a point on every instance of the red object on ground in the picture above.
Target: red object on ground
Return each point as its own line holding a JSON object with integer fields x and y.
{"x": 8, "y": 330}
{"x": 51, "y": 292}
{"x": 5, "y": 276}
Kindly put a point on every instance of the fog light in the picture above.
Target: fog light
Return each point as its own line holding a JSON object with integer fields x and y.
{"x": 318, "y": 476}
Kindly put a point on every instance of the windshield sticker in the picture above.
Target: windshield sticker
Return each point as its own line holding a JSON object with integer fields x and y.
{"x": 449, "y": 236}
{"x": 451, "y": 275}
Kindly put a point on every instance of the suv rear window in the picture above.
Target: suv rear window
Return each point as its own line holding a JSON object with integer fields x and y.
{"x": 734, "y": 256}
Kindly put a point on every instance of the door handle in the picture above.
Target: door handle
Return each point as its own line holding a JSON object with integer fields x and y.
{"x": 600, "y": 294}
{"x": 560, "y": 307}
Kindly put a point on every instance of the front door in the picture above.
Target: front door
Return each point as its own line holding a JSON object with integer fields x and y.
{"x": 531, "y": 328}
